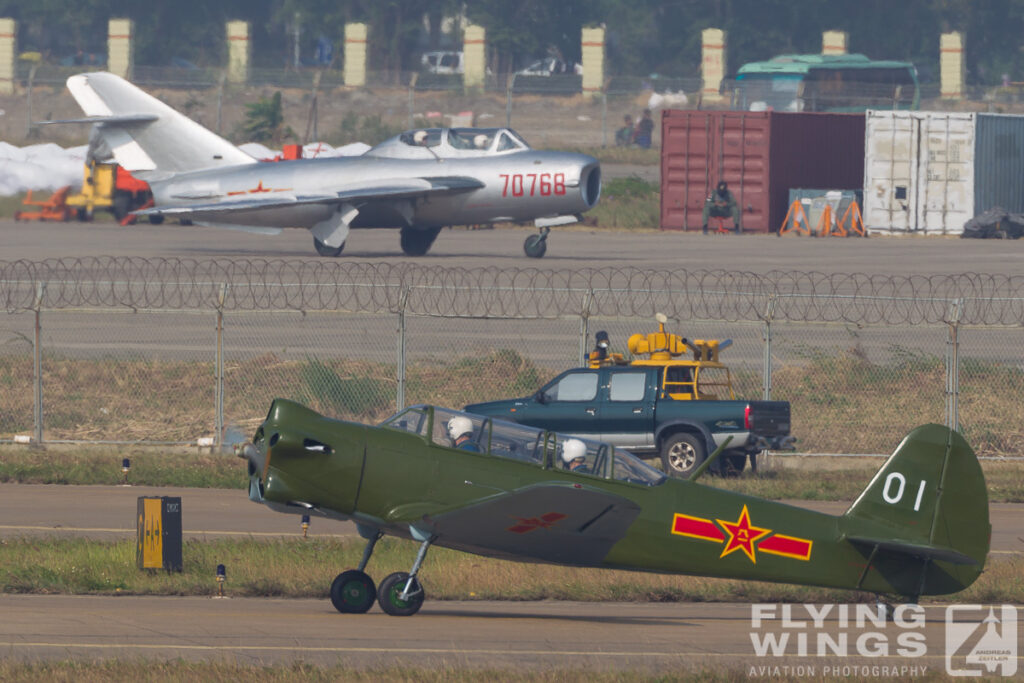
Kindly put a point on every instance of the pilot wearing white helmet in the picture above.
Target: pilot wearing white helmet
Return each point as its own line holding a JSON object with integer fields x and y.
{"x": 420, "y": 137}
{"x": 460, "y": 431}
{"x": 480, "y": 141}
{"x": 573, "y": 453}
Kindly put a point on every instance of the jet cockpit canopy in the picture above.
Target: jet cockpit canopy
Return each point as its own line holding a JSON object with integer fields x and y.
{"x": 445, "y": 143}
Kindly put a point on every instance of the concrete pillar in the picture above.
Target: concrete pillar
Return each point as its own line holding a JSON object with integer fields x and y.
{"x": 119, "y": 47}
{"x": 8, "y": 54}
{"x": 355, "y": 55}
{"x": 712, "y": 63}
{"x": 239, "y": 51}
{"x": 474, "y": 56}
{"x": 951, "y": 66}
{"x": 592, "y": 44}
{"x": 834, "y": 42}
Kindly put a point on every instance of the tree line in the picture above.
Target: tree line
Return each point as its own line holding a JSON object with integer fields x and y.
{"x": 643, "y": 37}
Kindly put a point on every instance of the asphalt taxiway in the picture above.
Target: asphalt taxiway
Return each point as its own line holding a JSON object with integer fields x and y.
{"x": 651, "y": 637}
{"x": 568, "y": 248}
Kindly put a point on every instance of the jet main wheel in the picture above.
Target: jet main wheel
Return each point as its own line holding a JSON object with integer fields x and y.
{"x": 325, "y": 250}
{"x": 681, "y": 454}
{"x": 417, "y": 241}
{"x": 353, "y": 592}
{"x": 535, "y": 246}
{"x": 390, "y": 591}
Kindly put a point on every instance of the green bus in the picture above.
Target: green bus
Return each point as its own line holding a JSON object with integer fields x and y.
{"x": 840, "y": 83}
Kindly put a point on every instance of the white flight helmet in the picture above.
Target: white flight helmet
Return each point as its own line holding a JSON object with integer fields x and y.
{"x": 419, "y": 137}
{"x": 459, "y": 425}
{"x": 572, "y": 449}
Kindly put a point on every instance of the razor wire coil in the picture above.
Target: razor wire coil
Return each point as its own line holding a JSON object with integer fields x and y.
{"x": 281, "y": 284}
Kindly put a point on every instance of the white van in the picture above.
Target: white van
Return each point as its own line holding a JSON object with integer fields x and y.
{"x": 442, "y": 62}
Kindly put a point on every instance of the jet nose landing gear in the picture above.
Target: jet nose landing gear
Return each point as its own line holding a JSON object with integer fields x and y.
{"x": 536, "y": 246}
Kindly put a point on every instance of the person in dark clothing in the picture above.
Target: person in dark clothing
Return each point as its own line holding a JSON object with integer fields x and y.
{"x": 644, "y": 130}
{"x": 624, "y": 135}
{"x": 721, "y": 203}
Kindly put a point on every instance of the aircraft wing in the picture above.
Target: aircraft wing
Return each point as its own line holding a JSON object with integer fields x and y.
{"x": 551, "y": 522}
{"x": 364, "y": 192}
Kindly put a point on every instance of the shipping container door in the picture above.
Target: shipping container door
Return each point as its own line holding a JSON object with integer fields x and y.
{"x": 890, "y": 169}
{"x": 686, "y": 150}
{"x": 741, "y": 158}
{"x": 945, "y": 189}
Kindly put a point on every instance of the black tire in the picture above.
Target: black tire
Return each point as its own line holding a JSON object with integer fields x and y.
{"x": 353, "y": 592}
{"x": 733, "y": 465}
{"x": 187, "y": 221}
{"x": 325, "y": 250}
{"x": 390, "y": 590}
{"x": 120, "y": 205}
{"x": 417, "y": 241}
{"x": 681, "y": 454}
{"x": 156, "y": 218}
{"x": 83, "y": 214}
{"x": 535, "y": 246}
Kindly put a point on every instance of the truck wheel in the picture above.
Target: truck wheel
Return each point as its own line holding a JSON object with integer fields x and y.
{"x": 681, "y": 454}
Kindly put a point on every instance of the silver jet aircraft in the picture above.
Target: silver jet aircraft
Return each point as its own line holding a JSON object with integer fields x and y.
{"x": 417, "y": 182}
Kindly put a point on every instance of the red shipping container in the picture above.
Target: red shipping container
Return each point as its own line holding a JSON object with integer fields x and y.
{"x": 761, "y": 155}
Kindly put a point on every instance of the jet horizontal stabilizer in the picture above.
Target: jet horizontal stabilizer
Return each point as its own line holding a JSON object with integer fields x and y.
{"x": 123, "y": 118}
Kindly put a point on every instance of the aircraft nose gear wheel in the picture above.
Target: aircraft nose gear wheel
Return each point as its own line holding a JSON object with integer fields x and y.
{"x": 417, "y": 241}
{"x": 325, "y": 250}
{"x": 392, "y": 590}
{"x": 536, "y": 246}
{"x": 353, "y": 592}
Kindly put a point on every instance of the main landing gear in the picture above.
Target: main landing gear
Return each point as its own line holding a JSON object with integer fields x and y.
{"x": 536, "y": 246}
{"x": 325, "y": 250}
{"x": 417, "y": 241}
{"x": 400, "y": 594}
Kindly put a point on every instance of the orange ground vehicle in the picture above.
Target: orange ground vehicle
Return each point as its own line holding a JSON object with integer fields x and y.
{"x": 105, "y": 185}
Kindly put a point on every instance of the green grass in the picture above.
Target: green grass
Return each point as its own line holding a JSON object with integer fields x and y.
{"x": 102, "y": 465}
{"x": 304, "y": 568}
{"x": 147, "y": 670}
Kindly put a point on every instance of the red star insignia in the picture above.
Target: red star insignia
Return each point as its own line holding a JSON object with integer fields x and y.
{"x": 742, "y": 536}
{"x": 545, "y": 521}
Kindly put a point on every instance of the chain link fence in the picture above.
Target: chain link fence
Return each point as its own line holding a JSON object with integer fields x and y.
{"x": 168, "y": 351}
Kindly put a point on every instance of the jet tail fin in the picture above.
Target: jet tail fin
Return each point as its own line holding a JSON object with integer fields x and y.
{"x": 146, "y": 136}
{"x": 927, "y": 504}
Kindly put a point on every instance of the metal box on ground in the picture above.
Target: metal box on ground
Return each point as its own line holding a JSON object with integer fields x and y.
{"x": 159, "y": 533}
{"x": 931, "y": 172}
{"x": 761, "y": 155}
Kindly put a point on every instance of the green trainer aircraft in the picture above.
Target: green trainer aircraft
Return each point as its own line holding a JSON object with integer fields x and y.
{"x": 500, "y": 489}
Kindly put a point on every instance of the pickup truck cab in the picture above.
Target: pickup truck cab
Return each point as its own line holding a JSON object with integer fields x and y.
{"x": 678, "y": 410}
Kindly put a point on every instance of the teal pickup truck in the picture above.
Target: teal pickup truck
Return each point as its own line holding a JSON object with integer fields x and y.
{"x": 661, "y": 406}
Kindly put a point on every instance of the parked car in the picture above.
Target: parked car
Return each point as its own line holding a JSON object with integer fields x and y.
{"x": 443, "y": 62}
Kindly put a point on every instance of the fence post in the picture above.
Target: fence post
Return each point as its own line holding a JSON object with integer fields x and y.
{"x": 588, "y": 299}
{"x": 37, "y": 365}
{"x": 218, "y": 391}
{"x": 509, "y": 87}
{"x": 766, "y": 336}
{"x": 953, "y": 365}
{"x": 400, "y": 393}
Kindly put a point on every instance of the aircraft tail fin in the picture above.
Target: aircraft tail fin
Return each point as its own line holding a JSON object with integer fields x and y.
{"x": 929, "y": 502}
{"x": 146, "y": 136}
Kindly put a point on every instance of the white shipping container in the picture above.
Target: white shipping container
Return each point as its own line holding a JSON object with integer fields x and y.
{"x": 919, "y": 171}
